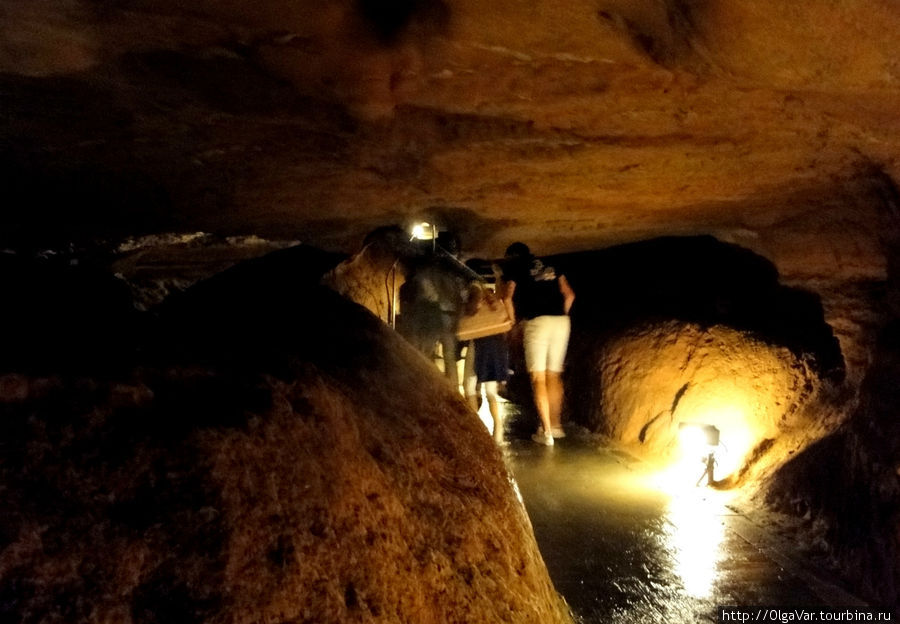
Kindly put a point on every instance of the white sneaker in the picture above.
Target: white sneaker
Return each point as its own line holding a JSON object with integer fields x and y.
{"x": 541, "y": 438}
{"x": 558, "y": 432}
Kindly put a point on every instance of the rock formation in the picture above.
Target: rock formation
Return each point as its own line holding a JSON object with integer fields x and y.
{"x": 574, "y": 125}
{"x": 659, "y": 377}
{"x": 312, "y": 468}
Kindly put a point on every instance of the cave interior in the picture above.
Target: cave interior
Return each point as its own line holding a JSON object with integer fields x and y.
{"x": 185, "y": 190}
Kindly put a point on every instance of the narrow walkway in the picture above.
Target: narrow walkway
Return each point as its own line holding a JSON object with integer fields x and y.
{"x": 622, "y": 550}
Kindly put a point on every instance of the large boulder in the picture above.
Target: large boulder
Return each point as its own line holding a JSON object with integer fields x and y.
{"x": 330, "y": 476}
{"x": 657, "y": 377}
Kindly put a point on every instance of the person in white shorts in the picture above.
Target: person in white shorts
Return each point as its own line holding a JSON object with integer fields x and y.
{"x": 539, "y": 297}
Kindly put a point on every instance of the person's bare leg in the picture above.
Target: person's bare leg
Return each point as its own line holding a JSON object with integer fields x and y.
{"x": 494, "y": 406}
{"x": 555, "y": 398}
{"x": 541, "y": 401}
{"x": 490, "y": 390}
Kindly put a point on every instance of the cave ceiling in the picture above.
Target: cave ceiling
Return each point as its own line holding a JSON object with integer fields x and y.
{"x": 570, "y": 124}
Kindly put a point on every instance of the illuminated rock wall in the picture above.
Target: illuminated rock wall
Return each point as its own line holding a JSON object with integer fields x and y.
{"x": 574, "y": 125}
{"x": 372, "y": 277}
{"x": 655, "y": 377}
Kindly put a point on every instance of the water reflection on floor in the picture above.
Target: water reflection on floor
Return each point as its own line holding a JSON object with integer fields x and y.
{"x": 620, "y": 549}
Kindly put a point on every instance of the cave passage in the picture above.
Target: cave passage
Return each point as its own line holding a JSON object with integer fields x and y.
{"x": 679, "y": 330}
{"x": 620, "y": 548}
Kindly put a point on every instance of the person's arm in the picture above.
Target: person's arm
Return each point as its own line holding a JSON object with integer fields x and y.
{"x": 567, "y": 293}
{"x": 509, "y": 287}
{"x": 474, "y": 300}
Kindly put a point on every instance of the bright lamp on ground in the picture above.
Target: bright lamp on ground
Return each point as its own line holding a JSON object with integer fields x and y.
{"x": 702, "y": 440}
{"x": 705, "y": 435}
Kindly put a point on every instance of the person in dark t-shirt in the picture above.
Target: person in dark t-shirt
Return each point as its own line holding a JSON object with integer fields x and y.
{"x": 432, "y": 299}
{"x": 541, "y": 299}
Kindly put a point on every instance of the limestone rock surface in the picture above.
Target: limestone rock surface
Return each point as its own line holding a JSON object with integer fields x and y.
{"x": 573, "y": 125}
{"x": 321, "y": 473}
{"x": 657, "y": 378}
{"x": 576, "y": 126}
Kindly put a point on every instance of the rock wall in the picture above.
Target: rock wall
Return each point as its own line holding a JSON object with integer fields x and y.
{"x": 846, "y": 486}
{"x": 372, "y": 277}
{"x": 590, "y": 124}
{"x": 313, "y": 468}
{"x": 654, "y": 378}
{"x": 667, "y": 337}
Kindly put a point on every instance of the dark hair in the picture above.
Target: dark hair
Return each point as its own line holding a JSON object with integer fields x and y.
{"x": 518, "y": 250}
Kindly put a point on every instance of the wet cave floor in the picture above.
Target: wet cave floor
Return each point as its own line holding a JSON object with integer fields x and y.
{"x": 622, "y": 546}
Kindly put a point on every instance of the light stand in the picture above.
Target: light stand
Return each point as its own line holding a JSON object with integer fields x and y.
{"x": 697, "y": 437}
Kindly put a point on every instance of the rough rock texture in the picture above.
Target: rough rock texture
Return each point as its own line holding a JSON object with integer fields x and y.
{"x": 846, "y": 485}
{"x": 311, "y": 468}
{"x": 690, "y": 282}
{"x": 655, "y": 319}
{"x": 656, "y": 377}
{"x": 372, "y": 277}
{"x": 573, "y": 125}
{"x": 576, "y": 126}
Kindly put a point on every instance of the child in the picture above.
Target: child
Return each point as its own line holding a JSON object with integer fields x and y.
{"x": 490, "y": 361}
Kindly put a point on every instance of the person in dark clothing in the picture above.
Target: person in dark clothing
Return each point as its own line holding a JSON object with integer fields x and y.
{"x": 488, "y": 359}
{"x": 432, "y": 301}
{"x": 540, "y": 299}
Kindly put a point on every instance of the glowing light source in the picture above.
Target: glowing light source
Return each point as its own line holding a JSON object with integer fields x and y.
{"x": 423, "y": 231}
{"x": 659, "y": 375}
{"x": 696, "y": 436}
{"x": 700, "y": 441}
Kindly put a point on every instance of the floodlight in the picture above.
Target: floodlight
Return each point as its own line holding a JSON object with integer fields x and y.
{"x": 423, "y": 231}
{"x": 701, "y": 433}
{"x": 702, "y": 439}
